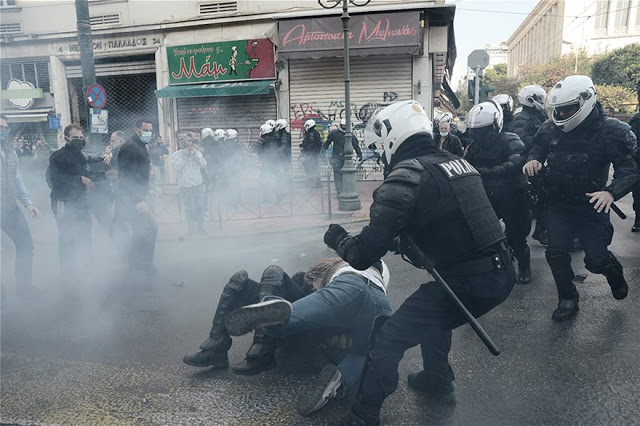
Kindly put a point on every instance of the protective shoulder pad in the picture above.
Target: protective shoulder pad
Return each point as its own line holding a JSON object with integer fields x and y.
{"x": 406, "y": 172}
{"x": 513, "y": 141}
{"x": 548, "y": 127}
{"x": 616, "y": 127}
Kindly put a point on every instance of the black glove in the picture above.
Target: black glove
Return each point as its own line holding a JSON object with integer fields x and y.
{"x": 334, "y": 235}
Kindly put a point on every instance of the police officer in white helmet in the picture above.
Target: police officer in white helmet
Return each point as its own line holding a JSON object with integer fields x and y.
{"x": 425, "y": 197}
{"x": 310, "y": 151}
{"x": 579, "y": 144}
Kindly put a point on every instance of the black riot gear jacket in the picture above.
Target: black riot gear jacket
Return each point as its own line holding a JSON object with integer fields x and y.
{"x": 526, "y": 124}
{"x": 336, "y": 137}
{"x": 437, "y": 199}
{"x": 499, "y": 160}
{"x": 581, "y": 158}
{"x": 312, "y": 142}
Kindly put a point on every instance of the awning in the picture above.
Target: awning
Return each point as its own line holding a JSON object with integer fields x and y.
{"x": 242, "y": 88}
{"x": 29, "y": 116}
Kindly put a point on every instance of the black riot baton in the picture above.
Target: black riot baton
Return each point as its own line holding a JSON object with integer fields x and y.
{"x": 613, "y": 206}
{"x": 413, "y": 252}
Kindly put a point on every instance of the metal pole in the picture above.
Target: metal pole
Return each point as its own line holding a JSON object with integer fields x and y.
{"x": 348, "y": 198}
{"x": 476, "y": 94}
{"x": 86, "y": 56}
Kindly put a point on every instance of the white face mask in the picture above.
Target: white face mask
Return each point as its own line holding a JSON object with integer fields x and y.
{"x": 145, "y": 137}
{"x": 444, "y": 134}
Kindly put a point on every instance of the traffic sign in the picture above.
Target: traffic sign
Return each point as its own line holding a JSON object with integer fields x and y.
{"x": 478, "y": 59}
{"x": 96, "y": 96}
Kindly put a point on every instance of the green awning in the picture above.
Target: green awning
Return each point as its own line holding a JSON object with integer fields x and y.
{"x": 240, "y": 88}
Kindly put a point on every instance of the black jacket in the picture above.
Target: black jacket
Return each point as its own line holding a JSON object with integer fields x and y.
{"x": 500, "y": 164}
{"x": 452, "y": 144}
{"x": 312, "y": 143}
{"x": 526, "y": 124}
{"x": 581, "y": 158}
{"x": 427, "y": 196}
{"x": 134, "y": 169}
{"x": 67, "y": 166}
{"x": 336, "y": 137}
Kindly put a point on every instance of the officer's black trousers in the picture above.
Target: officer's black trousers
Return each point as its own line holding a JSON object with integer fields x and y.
{"x": 74, "y": 235}
{"x": 563, "y": 219}
{"x": 427, "y": 318}
{"x": 515, "y": 212}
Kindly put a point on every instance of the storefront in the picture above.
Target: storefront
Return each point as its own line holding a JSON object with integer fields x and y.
{"x": 383, "y": 48}
{"x": 223, "y": 85}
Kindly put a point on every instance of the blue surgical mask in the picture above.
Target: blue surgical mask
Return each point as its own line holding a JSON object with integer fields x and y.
{"x": 145, "y": 137}
{"x": 444, "y": 134}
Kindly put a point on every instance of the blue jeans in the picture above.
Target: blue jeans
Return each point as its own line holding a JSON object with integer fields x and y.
{"x": 346, "y": 304}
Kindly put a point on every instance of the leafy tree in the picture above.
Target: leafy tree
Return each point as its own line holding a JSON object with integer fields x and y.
{"x": 549, "y": 74}
{"x": 620, "y": 67}
{"x": 620, "y": 98}
{"x": 497, "y": 77}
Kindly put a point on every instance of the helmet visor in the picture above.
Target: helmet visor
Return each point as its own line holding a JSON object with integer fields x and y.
{"x": 565, "y": 112}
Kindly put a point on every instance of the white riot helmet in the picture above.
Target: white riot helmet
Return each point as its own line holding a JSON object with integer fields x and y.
{"x": 309, "y": 124}
{"x": 218, "y": 134}
{"x": 281, "y": 123}
{"x": 231, "y": 134}
{"x": 206, "y": 132}
{"x": 271, "y": 123}
{"x": 265, "y": 129}
{"x": 389, "y": 127}
{"x": 572, "y": 100}
{"x": 444, "y": 117}
{"x": 505, "y": 101}
{"x": 488, "y": 113}
{"x": 532, "y": 96}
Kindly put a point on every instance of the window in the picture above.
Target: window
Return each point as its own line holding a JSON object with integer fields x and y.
{"x": 622, "y": 16}
{"x": 100, "y": 21}
{"x": 7, "y": 28}
{"x": 602, "y": 16}
{"x": 36, "y": 73}
{"x": 213, "y": 8}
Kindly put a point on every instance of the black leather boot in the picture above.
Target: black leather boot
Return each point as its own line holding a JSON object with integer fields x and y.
{"x": 436, "y": 386}
{"x": 524, "y": 266}
{"x": 216, "y": 358}
{"x": 566, "y": 309}
{"x": 260, "y": 357}
{"x": 615, "y": 278}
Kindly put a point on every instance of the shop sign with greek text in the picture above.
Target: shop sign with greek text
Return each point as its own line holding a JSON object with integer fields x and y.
{"x": 399, "y": 32}
{"x": 221, "y": 61}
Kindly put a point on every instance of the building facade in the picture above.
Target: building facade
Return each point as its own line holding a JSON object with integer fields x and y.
{"x": 498, "y": 54}
{"x": 225, "y": 64}
{"x": 557, "y": 27}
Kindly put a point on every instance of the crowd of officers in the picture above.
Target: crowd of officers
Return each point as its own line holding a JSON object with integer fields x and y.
{"x": 440, "y": 205}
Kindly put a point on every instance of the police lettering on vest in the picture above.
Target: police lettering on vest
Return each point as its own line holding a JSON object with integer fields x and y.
{"x": 458, "y": 168}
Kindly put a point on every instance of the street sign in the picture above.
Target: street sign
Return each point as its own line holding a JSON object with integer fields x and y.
{"x": 96, "y": 96}
{"x": 478, "y": 59}
{"x": 99, "y": 121}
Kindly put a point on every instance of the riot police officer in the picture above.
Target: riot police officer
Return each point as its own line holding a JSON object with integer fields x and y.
{"x": 506, "y": 103}
{"x": 579, "y": 144}
{"x": 336, "y": 137}
{"x": 635, "y": 127}
{"x": 526, "y": 124}
{"x": 436, "y": 199}
{"x": 498, "y": 156}
{"x": 310, "y": 151}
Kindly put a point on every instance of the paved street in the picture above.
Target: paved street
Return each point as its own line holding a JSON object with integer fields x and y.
{"x": 108, "y": 349}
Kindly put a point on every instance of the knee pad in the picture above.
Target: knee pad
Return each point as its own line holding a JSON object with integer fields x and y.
{"x": 598, "y": 266}
{"x": 237, "y": 281}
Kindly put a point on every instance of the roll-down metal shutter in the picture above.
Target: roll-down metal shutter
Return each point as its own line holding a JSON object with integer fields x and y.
{"x": 114, "y": 68}
{"x": 244, "y": 113}
{"x": 317, "y": 91}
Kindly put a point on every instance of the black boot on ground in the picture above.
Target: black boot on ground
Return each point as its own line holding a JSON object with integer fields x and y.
{"x": 215, "y": 358}
{"x": 615, "y": 278}
{"x": 524, "y": 275}
{"x": 255, "y": 365}
{"x": 567, "y": 309}
{"x": 636, "y": 224}
{"x": 435, "y": 386}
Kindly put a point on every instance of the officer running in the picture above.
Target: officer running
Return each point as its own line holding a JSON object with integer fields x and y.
{"x": 579, "y": 144}
{"x": 438, "y": 200}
